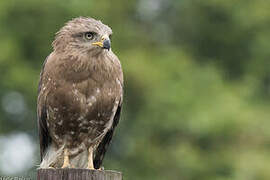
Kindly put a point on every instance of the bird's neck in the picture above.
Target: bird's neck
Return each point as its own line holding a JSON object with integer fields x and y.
{"x": 80, "y": 66}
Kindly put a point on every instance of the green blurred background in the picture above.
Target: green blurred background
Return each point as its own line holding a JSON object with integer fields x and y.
{"x": 197, "y": 85}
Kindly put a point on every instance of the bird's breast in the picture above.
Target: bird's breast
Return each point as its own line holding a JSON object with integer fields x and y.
{"x": 83, "y": 100}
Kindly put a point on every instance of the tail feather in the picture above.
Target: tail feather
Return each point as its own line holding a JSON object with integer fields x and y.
{"x": 51, "y": 156}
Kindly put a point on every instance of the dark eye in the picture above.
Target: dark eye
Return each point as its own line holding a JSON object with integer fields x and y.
{"x": 89, "y": 35}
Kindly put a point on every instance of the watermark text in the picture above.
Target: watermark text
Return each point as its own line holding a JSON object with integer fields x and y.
{"x": 14, "y": 178}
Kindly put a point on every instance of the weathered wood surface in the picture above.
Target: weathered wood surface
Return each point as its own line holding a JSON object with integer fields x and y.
{"x": 77, "y": 174}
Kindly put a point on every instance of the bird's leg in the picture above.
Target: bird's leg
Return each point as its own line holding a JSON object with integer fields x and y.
{"x": 90, "y": 158}
{"x": 66, "y": 159}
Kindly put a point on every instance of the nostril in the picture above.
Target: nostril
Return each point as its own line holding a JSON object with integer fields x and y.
{"x": 102, "y": 38}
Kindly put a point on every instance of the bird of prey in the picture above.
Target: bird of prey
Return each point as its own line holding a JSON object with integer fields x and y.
{"x": 80, "y": 96}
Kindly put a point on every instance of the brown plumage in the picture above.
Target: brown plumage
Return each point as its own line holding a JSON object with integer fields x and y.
{"x": 79, "y": 97}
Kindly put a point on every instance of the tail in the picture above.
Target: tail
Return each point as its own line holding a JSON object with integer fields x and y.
{"x": 51, "y": 156}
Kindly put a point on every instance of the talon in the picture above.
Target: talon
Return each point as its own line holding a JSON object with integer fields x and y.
{"x": 101, "y": 168}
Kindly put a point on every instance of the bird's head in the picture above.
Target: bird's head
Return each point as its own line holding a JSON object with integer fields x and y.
{"x": 83, "y": 35}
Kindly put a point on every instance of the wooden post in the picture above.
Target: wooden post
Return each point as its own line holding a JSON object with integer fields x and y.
{"x": 77, "y": 174}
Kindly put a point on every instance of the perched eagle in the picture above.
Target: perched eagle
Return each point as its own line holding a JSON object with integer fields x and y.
{"x": 80, "y": 96}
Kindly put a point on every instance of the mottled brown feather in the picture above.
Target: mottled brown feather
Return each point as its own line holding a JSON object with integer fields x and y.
{"x": 80, "y": 93}
{"x": 44, "y": 137}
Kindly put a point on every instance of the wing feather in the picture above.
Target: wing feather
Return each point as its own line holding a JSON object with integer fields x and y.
{"x": 44, "y": 137}
{"x": 103, "y": 146}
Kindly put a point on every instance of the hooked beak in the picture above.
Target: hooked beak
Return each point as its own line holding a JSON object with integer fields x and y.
{"x": 105, "y": 43}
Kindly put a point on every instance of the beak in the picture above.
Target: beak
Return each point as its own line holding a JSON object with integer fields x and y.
{"x": 105, "y": 43}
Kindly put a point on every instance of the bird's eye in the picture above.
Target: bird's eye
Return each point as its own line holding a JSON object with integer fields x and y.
{"x": 89, "y": 35}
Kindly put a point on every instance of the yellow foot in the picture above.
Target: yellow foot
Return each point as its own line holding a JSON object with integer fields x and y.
{"x": 66, "y": 159}
{"x": 90, "y": 159}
